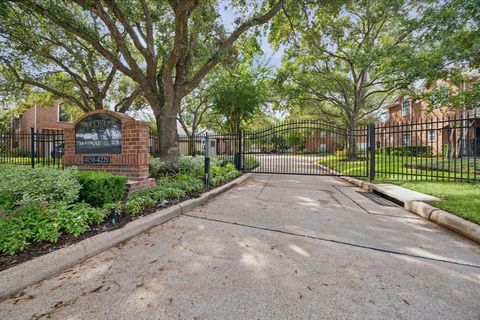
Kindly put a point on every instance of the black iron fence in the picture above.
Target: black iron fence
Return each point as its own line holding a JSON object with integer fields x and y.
{"x": 430, "y": 148}
{"x": 33, "y": 148}
{"x": 308, "y": 147}
{"x": 223, "y": 147}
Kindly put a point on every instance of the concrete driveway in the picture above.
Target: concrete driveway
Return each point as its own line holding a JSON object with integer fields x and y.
{"x": 276, "y": 247}
{"x": 290, "y": 164}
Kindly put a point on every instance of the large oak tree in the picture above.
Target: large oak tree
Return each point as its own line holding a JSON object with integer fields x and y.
{"x": 166, "y": 47}
{"x": 348, "y": 59}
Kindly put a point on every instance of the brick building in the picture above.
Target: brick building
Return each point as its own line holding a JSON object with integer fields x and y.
{"x": 410, "y": 122}
{"x": 42, "y": 119}
{"x": 50, "y": 120}
{"x": 323, "y": 142}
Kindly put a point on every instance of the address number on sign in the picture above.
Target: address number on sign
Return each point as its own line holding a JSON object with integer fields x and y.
{"x": 96, "y": 159}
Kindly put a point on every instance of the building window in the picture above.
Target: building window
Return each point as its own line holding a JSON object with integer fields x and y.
{"x": 432, "y": 135}
{"x": 322, "y": 147}
{"x": 322, "y": 134}
{"x": 362, "y": 146}
{"x": 16, "y": 123}
{"x": 62, "y": 114}
{"x": 384, "y": 116}
{"x": 405, "y": 107}
{"x": 406, "y": 139}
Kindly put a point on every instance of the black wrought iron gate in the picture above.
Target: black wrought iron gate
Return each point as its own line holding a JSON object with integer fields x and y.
{"x": 308, "y": 148}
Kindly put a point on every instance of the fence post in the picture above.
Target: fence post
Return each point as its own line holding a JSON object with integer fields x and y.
{"x": 53, "y": 153}
{"x": 238, "y": 154}
{"x": 32, "y": 147}
{"x": 207, "y": 162}
{"x": 371, "y": 140}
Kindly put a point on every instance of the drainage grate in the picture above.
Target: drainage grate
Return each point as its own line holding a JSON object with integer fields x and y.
{"x": 377, "y": 199}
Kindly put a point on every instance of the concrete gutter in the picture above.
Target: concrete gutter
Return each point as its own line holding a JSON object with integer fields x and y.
{"x": 415, "y": 202}
{"x": 30, "y": 272}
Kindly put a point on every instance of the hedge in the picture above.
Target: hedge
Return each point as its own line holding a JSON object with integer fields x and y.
{"x": 99, "y": 188}
{"x": 413, "y": 151}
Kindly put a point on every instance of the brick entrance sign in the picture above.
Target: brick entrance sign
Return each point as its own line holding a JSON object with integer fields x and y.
{"x": 109, "y": 141}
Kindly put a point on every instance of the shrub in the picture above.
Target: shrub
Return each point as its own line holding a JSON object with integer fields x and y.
{"x": 37, "y": 222}
{"x": 133, "y": 206}
{"x": 159, "y": 167}
{"x": 174, "y": 193}
{"x": 222, "y": 160}
{"x": 14, "y": 235}
{"x": 220, "y": 175}
{"x": 21, "y": 183}
{"x": 99, "y": 188}
{"x": 7, "y": 202}
{"x": 73, "y": 222}
{"x": 192, "y": 165}
{"x": 186, "y": 182}
{"x": 27, "y": 223}
{"x": 168, "y": 187}
{"x": 411, "y": 151}
{"x": 139, "y": 201}
{"x": 250, "y": 162}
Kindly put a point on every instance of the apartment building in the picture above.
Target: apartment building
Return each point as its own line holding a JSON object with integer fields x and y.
{"x": 411, "y": 122}
{"x": 42, "y": 119}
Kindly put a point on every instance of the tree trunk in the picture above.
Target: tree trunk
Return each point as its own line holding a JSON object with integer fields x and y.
{"x": 168, "y": 136}
{"x": 458, "y": 143}
{"x": 352, "y": 153}
{"x": 191, "y": 145}
{"x": 451, "y": 143}
{"x": 166, "y": 118}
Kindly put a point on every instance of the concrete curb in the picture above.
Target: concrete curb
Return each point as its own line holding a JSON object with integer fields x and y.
{"x": 447, "y": 220}
{"x": 456, "y": 224}
{"x": 30, "y": 272}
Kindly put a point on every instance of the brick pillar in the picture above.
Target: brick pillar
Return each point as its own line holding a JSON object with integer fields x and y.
{"x": 132, "y": 161}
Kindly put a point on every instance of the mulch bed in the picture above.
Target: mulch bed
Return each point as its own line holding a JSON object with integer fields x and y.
{"x": 36, "y": 250}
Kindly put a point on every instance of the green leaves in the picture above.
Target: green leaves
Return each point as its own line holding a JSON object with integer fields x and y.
{"x": 239, "y": 94}
{"x": 35, "y": 222}
{"x": 221, "y": 175}
{"x": 345, "y": 59}
{"x": 99, "y": 188}
{"x": 22, "y": 183}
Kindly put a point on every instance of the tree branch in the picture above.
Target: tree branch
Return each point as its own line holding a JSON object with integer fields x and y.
{"x": 127, "y": 102}
{"x": 227, "y": 43}
{"x": 70, "y": 27}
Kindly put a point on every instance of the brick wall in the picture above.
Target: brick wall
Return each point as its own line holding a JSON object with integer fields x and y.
{"x": 134, "y": 158}
{"x": 418, "y": 111}
{"x": 328, "y": 142}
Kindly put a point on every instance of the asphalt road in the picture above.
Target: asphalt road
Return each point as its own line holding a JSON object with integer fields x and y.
{"x": 276, "y": 247}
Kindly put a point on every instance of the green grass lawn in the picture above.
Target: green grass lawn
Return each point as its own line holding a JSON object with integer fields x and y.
{"x": 28, "y": 160}
{"x": 407, "y": 168}
{"x": 459, "y": 198}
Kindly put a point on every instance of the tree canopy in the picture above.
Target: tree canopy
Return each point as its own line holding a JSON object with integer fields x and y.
{"x": 240, "y": 93}
{"x": 165, "y": 47}
{"x": 36, "y": 55}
